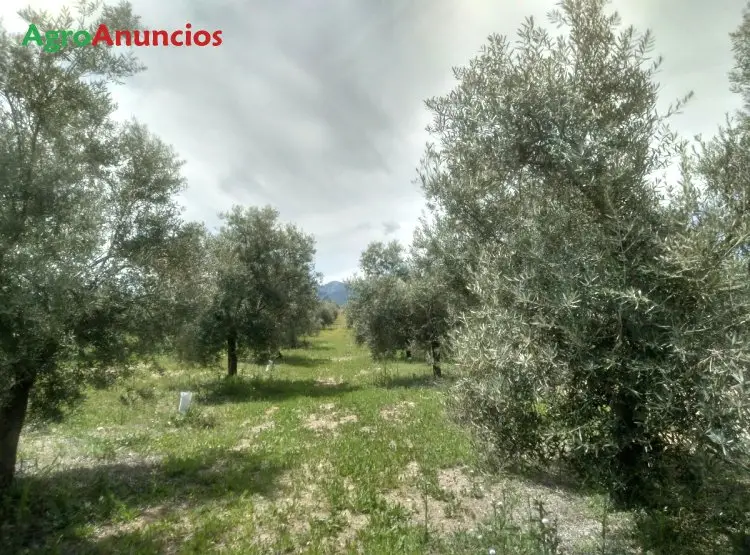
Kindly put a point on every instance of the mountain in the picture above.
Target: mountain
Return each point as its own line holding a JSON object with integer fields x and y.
{"x": 335, "y": 291}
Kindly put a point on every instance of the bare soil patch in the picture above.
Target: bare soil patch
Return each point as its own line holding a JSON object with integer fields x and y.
{"x": 247, "y": 443}
{"x": 328, "y": 422}
{"x": 329, "y": 381}
{"x": 147, "y": 517}
{"x": 473, "y": 499}
{"x": 412, "y": 473}
{"x": 42, "y": 454}
{"x": 397, "y": 412}
{"x": 305, "y": 502}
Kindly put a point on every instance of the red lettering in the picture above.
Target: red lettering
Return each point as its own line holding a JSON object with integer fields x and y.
{"x": 144, "y": 40}
{"x": 119, "y": 35}
{"x": 164, "y": 36}
{"x": 202, "y": 38}
{"x": 217, "y": 38}
{"x": 174, "y": 38}
{"x": 102, "y": 34}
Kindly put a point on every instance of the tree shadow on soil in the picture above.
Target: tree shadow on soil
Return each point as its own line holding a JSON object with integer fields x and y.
{"x": 681, "y": 515}
{"x": 239, "y": 389}
{"x": 49, "y": 510}
{"x": 554, "y": 477}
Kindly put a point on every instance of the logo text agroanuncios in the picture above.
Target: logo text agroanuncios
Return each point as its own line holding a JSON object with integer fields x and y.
{"x": 54, "y": 39}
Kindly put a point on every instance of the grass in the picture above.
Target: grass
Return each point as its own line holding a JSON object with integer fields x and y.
{"x": 330, "y": 454}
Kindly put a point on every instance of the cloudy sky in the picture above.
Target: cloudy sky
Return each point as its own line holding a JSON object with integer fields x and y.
{"x": 316, "y": 106}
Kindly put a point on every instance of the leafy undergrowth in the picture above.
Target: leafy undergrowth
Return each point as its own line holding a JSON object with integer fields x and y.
{"x": 328, "y": 454}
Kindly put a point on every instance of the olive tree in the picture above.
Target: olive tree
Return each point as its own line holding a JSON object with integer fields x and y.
{"x": 610, "y": 329}
{"x": 429, "y": 315}
{"x": 377, "y": 309}
{"x": 398, "y": 303}
{"x": 89, "y": 228}
{"x": 327, "y": 313}
{"x": 264, "y": 284}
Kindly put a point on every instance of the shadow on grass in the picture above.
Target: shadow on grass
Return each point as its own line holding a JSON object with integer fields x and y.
{"x": 319, "y": 347}
{"x": 303, "y": 361}
{"x": 313, "y": 346}
{"x": 46, "y": 513}
{"x": 414, "y": 380}
{"x": 256, "y": 389}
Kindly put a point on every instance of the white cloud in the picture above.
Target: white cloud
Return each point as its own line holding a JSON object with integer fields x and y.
{"x": 318, "y": 108}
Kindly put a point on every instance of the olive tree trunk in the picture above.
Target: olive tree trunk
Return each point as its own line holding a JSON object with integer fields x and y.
{"x": 435, "y": 354}
{"x": 12, "y": 416}
{"x": 232, "y": 355}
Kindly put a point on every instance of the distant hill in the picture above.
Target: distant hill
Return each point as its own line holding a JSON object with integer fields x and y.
{"x": 335, "y": 291}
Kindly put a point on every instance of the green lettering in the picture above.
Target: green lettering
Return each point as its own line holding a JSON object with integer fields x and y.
{"x": 32, "y": 34}
{"x": 51, "y": 43}
{"x": 65, "y": 38}
{"x": 82, "y": 38}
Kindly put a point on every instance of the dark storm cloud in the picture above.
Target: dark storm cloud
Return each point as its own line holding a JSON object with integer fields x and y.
{"x": 315, "y": 95}
{"x": 312, "y": 107}
{"x": 316, "y": 106}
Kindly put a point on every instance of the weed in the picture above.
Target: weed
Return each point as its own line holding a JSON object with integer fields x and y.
{"x": 332, "y": 454}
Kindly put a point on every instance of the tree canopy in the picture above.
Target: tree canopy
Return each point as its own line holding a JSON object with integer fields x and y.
{"x": 89, "y": 226}
{"x": 265, "y": 287}
{"x": 603, "y": 311}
